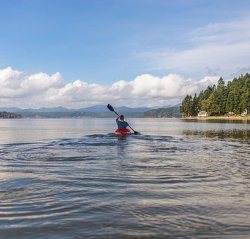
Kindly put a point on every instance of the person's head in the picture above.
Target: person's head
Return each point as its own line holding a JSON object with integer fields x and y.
{"x": 122, "y": 117}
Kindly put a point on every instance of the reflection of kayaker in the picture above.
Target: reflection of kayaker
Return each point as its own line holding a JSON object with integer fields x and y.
{"x": 122, "y": 125}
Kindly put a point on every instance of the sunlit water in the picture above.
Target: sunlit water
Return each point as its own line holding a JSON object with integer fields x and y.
{"x": 73, "y": 178}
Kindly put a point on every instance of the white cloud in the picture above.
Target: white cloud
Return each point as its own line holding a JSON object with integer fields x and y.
{"x": 24, "y": 90}
{"x": 149, "y": 86}
{"x": 223, "y": 32}
{"x": 221, "y": 48}
{"x": 15, "y": 83}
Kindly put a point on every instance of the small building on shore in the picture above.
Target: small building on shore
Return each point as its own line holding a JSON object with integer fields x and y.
{"x": 202, "y": 114}
{"x": 246, "y": 112}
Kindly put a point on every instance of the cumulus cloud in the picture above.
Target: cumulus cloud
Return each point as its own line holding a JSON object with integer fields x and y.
{"x": 22, "y": 89}
{"x": 17, "y": 84}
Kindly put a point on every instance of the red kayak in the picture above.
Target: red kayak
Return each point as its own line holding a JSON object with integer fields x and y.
{"x": 122, "y": 131}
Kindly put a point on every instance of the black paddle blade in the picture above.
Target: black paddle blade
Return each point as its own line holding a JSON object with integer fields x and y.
{"x": 135, "y": 132}
{"x": 110, "y": 107}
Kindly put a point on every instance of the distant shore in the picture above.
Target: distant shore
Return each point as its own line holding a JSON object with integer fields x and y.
{"x": 8, "y": 115}
{"x": 238, "y": 117}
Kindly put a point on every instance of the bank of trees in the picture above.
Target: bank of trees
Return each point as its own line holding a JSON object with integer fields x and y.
{"x": 7, "y": 115}
{"x": 220, "y": 99}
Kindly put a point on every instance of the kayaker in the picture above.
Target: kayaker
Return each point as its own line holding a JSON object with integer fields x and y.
{"x": 121, "y": 123}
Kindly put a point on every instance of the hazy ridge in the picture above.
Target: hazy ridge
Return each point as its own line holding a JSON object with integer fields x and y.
{"x": 98, "y": 111}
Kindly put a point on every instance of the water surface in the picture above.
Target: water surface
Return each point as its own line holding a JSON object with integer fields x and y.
{"x": 73, "y": 178}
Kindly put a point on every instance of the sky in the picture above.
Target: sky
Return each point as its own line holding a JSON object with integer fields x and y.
{"x": 80, "y": 53}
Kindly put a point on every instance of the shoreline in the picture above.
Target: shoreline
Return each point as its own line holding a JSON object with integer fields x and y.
{"x": 217, "y": 118}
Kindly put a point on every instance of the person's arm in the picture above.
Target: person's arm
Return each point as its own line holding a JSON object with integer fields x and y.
{"x": 118, "y": 117}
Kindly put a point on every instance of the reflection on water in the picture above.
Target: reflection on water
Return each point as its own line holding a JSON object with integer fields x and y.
{"x": 242, "y": 135}
{"x": 219, "y": 121}
{"x": 101, "y": 185}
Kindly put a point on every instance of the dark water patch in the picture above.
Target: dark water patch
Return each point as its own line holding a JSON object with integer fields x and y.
{"x": 230, "y": 135}
{"x": 70, "y": 159}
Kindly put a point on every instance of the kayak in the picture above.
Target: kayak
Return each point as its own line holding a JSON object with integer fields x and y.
{"x": 122, "y": 131}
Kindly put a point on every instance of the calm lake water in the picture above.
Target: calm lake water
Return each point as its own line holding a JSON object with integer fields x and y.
{"x": 73, "y": 178}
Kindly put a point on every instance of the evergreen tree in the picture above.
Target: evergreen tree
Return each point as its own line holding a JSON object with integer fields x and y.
{"x": 220, "y": 99}
{"x": 186, "y": 106}
{"x": 194, "y": 106}
{"x": 219, "y": 107}
{"x": 230, "y": 102}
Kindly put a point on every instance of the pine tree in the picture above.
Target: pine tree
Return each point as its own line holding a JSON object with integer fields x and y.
{"x": 194, "y": 106}
{"x": 186, "y": 106}
{"x": 220, "y": 99}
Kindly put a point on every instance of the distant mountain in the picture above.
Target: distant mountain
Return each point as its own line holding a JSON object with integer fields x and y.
{"x": 77, "y": 114}
{"x": 43, "y": 109}
{"x": 128, "y": 109}
{"x": 177, "y": 105}
{"x": 172, "y": 112}
{"x": 169, "y": 106}
{"x": 10, "y": 109}
{"x": 120, "y": 109}
{"x": 97, "y": 111}
{"x": 96, "y": 108}
{"x": 55, "y": 109}
{"x": 18, "y": 110}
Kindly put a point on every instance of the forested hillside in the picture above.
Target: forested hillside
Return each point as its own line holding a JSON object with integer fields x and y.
{"x": 7, "y": 115}
{"x": 220, "y": 99}
{"x": 172, "y": 112}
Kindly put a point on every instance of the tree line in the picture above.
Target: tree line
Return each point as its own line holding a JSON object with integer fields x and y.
{"x": 220, "y": 99}
{"x": 7, "y": 115}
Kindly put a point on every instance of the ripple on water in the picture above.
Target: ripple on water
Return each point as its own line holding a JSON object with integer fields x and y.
{"x": 134, "y": 186}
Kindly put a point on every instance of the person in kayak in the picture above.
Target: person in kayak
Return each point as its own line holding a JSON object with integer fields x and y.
{"x": 121, "y": 123}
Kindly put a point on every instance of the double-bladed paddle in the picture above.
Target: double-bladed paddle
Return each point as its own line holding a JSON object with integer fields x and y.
{"x": 110, "y": 107}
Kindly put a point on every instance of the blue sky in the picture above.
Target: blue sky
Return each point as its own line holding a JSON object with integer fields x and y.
{"x": 93, "y": 44}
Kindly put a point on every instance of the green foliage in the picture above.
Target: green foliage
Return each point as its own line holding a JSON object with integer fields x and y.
{"x": 186, "y": 106}
{"x": 220, "y": 99}
{"x": 172, "y": 112}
